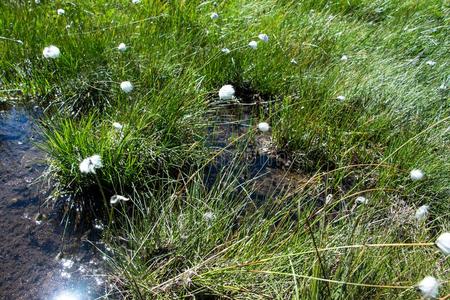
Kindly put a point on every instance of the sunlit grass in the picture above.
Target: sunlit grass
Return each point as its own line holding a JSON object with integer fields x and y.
{"x": 353, "y": 93}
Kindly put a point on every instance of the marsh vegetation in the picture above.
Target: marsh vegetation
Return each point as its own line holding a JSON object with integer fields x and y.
{"x": 247, "y": 149}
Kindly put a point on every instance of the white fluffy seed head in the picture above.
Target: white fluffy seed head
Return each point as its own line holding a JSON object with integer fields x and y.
{"x": 60, "y": 11}
{"x": 253, "y": 44}
{"x": 135, "y": 1}
{"x": 117, "y": 126}
{"x": 263, "y": 37}
{"x": 116, "y": 198}
{"x": 443, "y": 243}
{"x": 422, "y": 213}
{"x": 344, "y": 57}
{"x": 226, "y": 92}
{"x": 225, "y": 50}
{"x": 263, "y": 127}
{"x": 126, "y": 86}
{"x": 416, "y": 174}
{"x": 208, "y": 216}
{"x": 51, "y": 52}
{"x": 340, "y": 98}
{"x": 429, "y": 287}
{"x": 90, "y": 164}
{"x": 122, "y": 47}
{"x": 362, "y": 200}
{"x": 431, "y": 63}
{"x": 214, "y": 16}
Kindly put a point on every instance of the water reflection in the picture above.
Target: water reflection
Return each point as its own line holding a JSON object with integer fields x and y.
{"x": 31, "y": 264}
{"x": 68, "y": 295}
{"x": 257, "y": 154}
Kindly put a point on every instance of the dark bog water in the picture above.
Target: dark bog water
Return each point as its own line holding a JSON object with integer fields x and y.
{"x": 268, "y": 170}
{"x": 30, "y": 267}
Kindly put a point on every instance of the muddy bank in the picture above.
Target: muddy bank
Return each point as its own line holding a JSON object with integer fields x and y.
{"x": 32, "y": 266}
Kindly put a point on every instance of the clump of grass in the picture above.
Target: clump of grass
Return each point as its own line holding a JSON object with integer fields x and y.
{"x": 159, "y": 136}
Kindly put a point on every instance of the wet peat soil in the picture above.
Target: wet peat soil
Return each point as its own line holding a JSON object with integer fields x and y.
{"x": 32, "y": 266}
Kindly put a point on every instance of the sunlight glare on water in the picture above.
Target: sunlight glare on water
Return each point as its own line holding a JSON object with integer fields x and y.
{"x": 68, "y": 295}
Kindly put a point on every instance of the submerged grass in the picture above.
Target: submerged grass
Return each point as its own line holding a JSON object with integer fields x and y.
{"x": 355, "y": 92}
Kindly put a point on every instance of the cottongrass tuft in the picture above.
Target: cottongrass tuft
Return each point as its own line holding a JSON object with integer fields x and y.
{"x": 51, "y": 52}
{"x": 422, "y": 213}
{"x": 117, "y": 126}
{"x": 263, "y": 127}
{"x": 60, "y": 11}
{"x": 443, "y": 243}
{"x": 226, "y": 92}
{"x": 344, "y": 58}
{"x": 340, "y": 98}
{"x": 253, "y": 45}
{"x": 135, "y": 1}
{"x": 122, "y": 47}
{"x": 263, "y": 37}
{"x": 416, "y": 174}
{"x": 225, "y": 50}
{"x": 214, "y": 16}
{"x": 429, "y": 287}
{"x": 209, "y": 216}
{"x": 431, "y": 63}
{"x": 126, "y": 86}
{"x": 116, "y": 198}
{"x": 362, "y": 200}
{"x": 90, "y": 164}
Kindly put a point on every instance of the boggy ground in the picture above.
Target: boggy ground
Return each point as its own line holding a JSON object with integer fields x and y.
{"x": 323, "y": 206}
